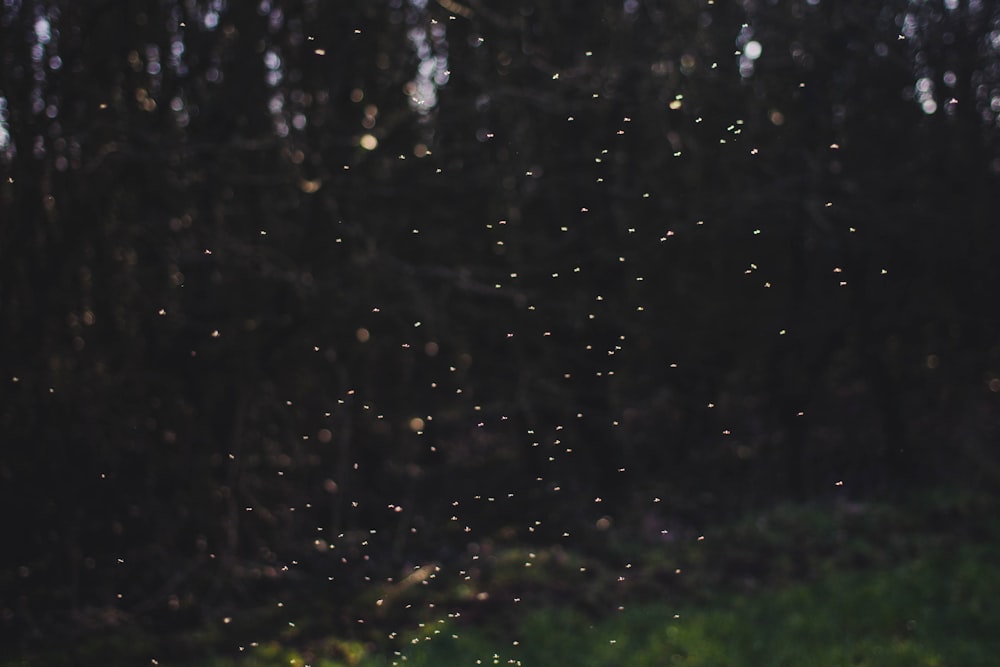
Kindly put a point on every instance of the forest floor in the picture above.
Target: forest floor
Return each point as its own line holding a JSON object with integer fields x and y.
{"x": 869, "y": 584}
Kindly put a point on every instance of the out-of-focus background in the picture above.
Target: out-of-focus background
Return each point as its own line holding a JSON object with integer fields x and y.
{"x": 526, "y": 332}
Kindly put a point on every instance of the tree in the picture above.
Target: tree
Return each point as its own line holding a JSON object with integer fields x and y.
{"x": 285, "y": 286}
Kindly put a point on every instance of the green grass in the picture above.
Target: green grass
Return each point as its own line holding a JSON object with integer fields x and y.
{"x": 937, "y": 611}
{"x": 852, "y": 585}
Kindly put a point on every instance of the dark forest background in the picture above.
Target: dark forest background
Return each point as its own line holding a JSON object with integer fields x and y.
{"x": 300, "y": 290}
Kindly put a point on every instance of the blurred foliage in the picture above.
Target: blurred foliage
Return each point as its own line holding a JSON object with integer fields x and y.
{"x": 920, "y": 613}
{"x": 885, "y": 584}
{"x": 349, "y": 297}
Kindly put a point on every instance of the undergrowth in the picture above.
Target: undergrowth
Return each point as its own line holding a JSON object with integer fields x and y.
{"x": 872, "y": 585}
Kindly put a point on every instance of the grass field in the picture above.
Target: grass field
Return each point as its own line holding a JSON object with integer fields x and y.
{"x": 936, "y": 611}
{"x": 878, "y": 588}
{"x": 942, "y": 610}
{"x": 886, "y": 589}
